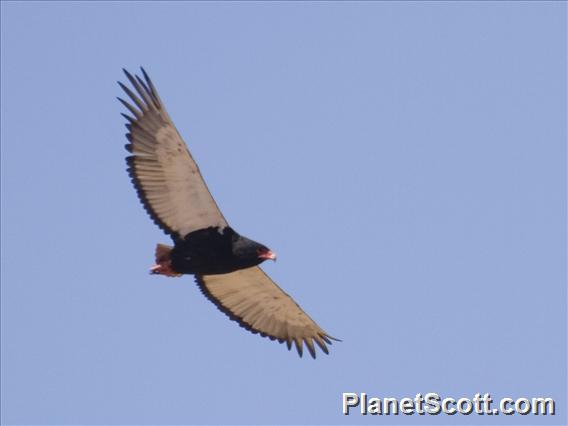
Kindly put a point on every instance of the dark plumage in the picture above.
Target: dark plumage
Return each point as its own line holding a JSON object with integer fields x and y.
{"x": 215, "y": 251}
{"x": 225, "y": 264}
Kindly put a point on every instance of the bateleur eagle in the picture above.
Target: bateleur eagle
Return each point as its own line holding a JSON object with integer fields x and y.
{"x": 225, "y": 263}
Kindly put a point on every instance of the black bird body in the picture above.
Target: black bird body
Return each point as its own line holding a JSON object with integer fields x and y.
{"x": 215, "y": 251}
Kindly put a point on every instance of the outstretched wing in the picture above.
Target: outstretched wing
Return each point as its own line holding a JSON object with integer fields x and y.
{"x": 251, "y": 298}
{"x": 166, "y": 177}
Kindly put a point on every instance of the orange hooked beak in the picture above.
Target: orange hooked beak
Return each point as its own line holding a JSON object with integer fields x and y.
{"x": 267, "y": 255}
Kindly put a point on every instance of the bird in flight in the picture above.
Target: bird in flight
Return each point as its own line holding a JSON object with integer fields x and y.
{"x": 224, "y": 263}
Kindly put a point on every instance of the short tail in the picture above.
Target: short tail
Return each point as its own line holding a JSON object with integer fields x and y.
{"x": 163, "y": 264}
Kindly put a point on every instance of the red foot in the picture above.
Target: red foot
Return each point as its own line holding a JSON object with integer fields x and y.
{"x": 164, "y": 268}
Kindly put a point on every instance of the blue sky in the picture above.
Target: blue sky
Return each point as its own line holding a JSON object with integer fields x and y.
{"x": 407, "y": 162}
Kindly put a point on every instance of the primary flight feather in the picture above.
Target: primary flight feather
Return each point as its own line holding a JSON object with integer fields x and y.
{"x": 225, "y": 263}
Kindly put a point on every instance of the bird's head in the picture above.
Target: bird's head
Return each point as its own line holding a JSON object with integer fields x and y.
{"x": 250, "y": 252}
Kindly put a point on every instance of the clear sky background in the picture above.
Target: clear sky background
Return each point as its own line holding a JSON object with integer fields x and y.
{"x": 405, "y": 160}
